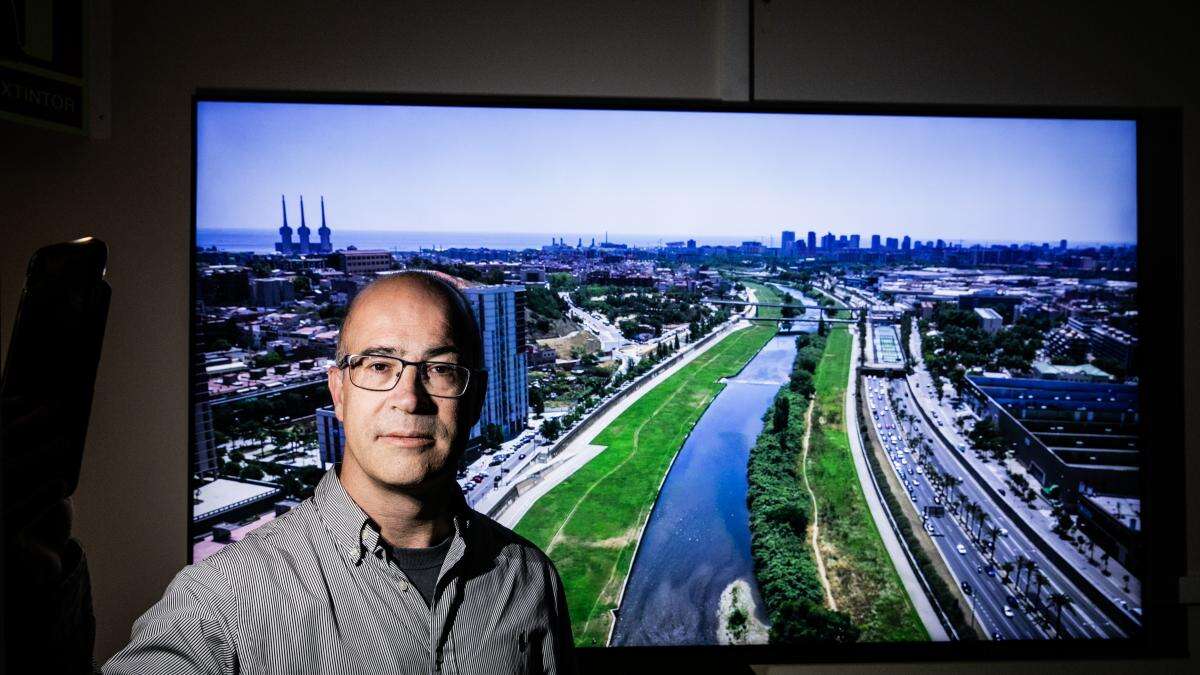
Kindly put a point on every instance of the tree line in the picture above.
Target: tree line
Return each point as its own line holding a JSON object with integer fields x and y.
{"x": 780, "y": 510}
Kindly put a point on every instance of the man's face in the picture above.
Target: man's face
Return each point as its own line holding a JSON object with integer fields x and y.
{"x": 403, "y": 438}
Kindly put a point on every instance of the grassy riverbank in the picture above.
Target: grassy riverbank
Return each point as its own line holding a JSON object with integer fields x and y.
{"x": 590, "y": 523}
{"x": 862, "y": 576}
{"x": 781, "y": 516}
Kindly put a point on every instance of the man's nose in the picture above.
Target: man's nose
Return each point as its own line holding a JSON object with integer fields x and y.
{"x": 408, "y": 394}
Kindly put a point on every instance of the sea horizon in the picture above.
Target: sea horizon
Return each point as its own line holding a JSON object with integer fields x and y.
{"x": 263, "y": 240}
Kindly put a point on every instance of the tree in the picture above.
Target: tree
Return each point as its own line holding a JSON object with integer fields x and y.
{"x": 1008, "y": 567}
{"x": 780, "y": 418}
{"x": 1060, "y": 601}
{"x": 251, "y": 472}
{"x": 801, "y": 621}
{"x": 550, "y": 429}
{"x": 268, "y": 358}
{"x": 493, "y": 437}
{"x": 301, "y": 285}
{"x": 536, "y": 402}
{"x": 1041, "y": 580}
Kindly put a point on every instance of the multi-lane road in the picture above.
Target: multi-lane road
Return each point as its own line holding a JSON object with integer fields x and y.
{"x": 968, "y": 554}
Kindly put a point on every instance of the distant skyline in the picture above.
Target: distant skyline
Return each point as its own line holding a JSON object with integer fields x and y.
{"x": 668, "y": 174}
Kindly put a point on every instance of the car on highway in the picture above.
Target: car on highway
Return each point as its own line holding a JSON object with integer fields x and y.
{"x": 962, "y": 550}
{"x": 966, "y": 588}
{"x": 1008, "y": 611}
{"x": 1004, "y": 532}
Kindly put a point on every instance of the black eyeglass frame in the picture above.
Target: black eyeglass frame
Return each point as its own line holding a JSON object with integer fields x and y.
{"x": 344, "y": 364}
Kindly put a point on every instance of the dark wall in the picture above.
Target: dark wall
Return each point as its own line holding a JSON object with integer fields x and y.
{"x": 134, "y": 189}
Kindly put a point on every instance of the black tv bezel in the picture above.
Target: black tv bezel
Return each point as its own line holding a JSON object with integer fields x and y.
{"x": 1159, "y": 230}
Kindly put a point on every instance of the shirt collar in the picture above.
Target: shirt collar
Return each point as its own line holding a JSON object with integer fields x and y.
{"x": 357, "y": 534}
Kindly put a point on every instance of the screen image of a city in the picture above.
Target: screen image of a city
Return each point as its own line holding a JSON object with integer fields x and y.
{"x": 755, "y": 378}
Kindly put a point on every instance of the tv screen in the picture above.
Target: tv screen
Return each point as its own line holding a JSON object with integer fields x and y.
{"x": 771, "y": 376}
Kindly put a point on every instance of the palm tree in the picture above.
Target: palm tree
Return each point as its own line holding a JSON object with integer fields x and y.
{"x": 993, "y": 532}
{"x": 1060, "y": 601}
{"x": 1008, "y": 567}
{"x": 1031, "y": 566}
{"x": 1021, "y": 560}
{"x": 1104, "y": 558}
{"x": 1041, "y": 580}
{"x": 983, "y": 518}
{"x": 1126, "y": 578}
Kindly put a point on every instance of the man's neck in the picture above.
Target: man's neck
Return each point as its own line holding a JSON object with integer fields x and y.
{"x": 405, "y": 519}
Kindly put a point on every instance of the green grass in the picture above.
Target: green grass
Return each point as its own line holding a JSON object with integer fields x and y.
{"x": 590, "y": 523}
{"x": 862, "y": 575}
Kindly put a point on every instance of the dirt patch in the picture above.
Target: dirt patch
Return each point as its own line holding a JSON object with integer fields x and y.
{"x": 562, "y": 346}
{"x": 614, "y": 543}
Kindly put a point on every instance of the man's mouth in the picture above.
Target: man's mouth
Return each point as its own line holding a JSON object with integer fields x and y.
{"x": 408, "y": 440}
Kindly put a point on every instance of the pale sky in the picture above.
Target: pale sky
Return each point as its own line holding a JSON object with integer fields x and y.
{"x": 674, "y": 174}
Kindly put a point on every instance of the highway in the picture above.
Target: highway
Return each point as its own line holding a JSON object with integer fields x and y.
{"x": 1080, "y": 619}
{"x": 988, "y": 597}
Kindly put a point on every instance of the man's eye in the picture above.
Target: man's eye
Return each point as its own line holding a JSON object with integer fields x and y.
{"x": 440, "y": 369}
{"x": 380, "y": 367}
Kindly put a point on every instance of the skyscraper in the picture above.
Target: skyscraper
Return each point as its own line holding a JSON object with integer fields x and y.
{"x": 812, "y": 241}
{"x": 329, "y": 436}
{"x": 500, "y": 313}
{"x": 892, "y": 243}
{"x": 787, "y": 242}
{"x": 855, "y": 241}
{"x": 875, "y": 242}
{"x": 906, "y": 243}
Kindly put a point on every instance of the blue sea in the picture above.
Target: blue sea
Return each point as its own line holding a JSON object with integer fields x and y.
{"x": 263, "y": 241}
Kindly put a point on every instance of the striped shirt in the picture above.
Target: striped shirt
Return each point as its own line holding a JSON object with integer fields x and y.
{"x": 313, "y": 591}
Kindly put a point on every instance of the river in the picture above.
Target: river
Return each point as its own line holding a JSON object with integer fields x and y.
{"x": 697, "y": 541}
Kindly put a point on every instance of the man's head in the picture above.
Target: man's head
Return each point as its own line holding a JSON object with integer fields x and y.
{"x": 405, "y": 438}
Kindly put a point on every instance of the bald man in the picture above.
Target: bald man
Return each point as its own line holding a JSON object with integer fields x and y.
{"x": 385, "y": 569}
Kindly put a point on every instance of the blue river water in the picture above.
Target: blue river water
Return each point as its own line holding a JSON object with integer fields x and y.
{"x": 697, "y": 540}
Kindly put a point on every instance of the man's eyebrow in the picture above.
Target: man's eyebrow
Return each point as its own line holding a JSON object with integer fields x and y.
{"x": 378, "y": 350}
{"x": 383, "y": 350}
{"x": 444, "y": 349}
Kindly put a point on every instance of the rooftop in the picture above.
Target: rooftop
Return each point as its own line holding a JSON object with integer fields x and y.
{"x": 224, "y": 494}
{"x": 1127, "y": 510}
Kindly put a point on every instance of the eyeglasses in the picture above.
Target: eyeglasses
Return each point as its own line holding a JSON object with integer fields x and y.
{"x": 375, "y": 372}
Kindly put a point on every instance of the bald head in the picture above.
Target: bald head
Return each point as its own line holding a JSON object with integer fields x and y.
{"x": 430, "y": 291}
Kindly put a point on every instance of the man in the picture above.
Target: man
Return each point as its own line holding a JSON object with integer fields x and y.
{"x": 385, "y": 569}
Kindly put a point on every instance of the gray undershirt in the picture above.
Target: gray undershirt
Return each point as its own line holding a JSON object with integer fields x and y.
{"x": 421, "y": 565}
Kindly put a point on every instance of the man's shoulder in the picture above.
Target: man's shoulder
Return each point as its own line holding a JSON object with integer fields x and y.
{"x": 289, "y": 534}
{"x": 502, "y": 542}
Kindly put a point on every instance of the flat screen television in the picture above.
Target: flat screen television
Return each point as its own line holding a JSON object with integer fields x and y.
{"x": 782, "y": 382}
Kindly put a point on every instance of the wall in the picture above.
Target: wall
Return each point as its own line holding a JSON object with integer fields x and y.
{"x": 134, "y": 189}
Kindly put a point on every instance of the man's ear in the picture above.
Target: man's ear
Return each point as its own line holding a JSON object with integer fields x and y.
{"x": 334, "y": 377}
